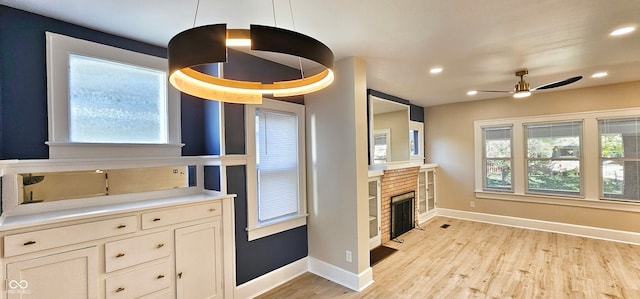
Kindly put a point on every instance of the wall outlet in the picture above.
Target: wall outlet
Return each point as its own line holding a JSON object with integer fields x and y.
{"x": 472, "y": 204}
{"x": 348, "y": 256}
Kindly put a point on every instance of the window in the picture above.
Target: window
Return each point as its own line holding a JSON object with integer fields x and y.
{"x": 554, "y": 157}
{"x": 497, "y": 158}
{"x": 416, "y": 141}
{"x": 381, "y": 146}
{"x": 276, "y": 191}
{"x": 620, "y": 158}
{"x": 108, "y": 102}
{"x": 111, "y": 102}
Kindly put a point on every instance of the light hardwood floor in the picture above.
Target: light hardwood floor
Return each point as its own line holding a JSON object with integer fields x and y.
{"x": 478, "y": 260}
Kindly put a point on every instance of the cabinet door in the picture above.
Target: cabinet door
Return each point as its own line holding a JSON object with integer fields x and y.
{"x": 72, "y": 274}
{"x": 374, "y": 213}
{"x": 199, "y": 261}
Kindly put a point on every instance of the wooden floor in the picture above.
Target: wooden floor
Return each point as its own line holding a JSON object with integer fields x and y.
{"x": 478, "y": 260}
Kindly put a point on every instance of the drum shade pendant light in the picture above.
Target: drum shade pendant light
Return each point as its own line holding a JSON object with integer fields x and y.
{"x": 191, "y": 50}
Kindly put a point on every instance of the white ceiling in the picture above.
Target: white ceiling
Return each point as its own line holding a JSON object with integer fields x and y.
{"x": 480, "y": 44}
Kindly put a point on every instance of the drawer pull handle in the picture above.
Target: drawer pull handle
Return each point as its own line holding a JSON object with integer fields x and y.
{"x": 161, "y": 276}
{"x": 156, "y": 219}
{"x": 29, "y": 243}
{"x": 212, "y": 210}
{"x": 120, "y": 255}
{"x": 121, "y": 226}
{"x": 160, "y": 245}
{"x": 120, "y": 289}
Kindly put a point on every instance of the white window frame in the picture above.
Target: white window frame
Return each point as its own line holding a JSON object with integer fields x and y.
{"x": 254, "y": 228}
{"x": 60, "y": 147}
{"x": 418, "y": 126}
{"x": 620, "y": 159}
{"x": 590, "y": 176}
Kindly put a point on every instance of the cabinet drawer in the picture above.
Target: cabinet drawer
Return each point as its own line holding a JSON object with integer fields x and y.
{"x": 55, "y": 237}
{"x": 125, "y": 253}
{"x": 167, "y": 217}
{"x": 140, "y": 282}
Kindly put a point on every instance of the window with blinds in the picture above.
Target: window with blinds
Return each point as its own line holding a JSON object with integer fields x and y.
{"x": 620, "y": 158}
{"x": 497, "y": 158}
{"x": 277, "y": 165}
{"x": 554, "y": 157}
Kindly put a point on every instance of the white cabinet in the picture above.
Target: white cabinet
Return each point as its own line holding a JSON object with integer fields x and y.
{"x": 71, "y": 274}
{"x": 374, "y": 212}
{"x": 426, "y": 193}
{"x": 199, "y": 261}
{"x": 177, "y": 251}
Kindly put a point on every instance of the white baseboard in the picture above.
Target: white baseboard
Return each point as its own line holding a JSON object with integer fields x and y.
{"x": 356, "y": 282}
{"x": 548, "y": 226}
{"x": 264, "y": 283}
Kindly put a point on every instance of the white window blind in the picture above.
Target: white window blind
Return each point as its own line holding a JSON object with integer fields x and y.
{"x": 277, "y": 164}
{"x": 497, "y": 158}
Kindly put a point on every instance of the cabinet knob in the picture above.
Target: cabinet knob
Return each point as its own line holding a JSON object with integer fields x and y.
{"x": 120, "y": 289}
{"x": 156, "y": 219}
{"x": 120, "y": 254}
{"x": 179, "y": 275}
{"x": 121, "y": 226}
{"x": 29, "y": 243}
{"x": 160, "y": 245}
{"x": 161, "y": 276}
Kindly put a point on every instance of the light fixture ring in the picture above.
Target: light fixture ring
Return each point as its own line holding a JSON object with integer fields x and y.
{"x": 205, "y": 45}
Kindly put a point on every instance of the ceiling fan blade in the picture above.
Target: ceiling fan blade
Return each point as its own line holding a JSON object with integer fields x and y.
{"x": 558, "y": 83}
{"x": 503, "y": 91}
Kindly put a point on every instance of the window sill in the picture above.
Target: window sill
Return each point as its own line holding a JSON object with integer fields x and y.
{"x": 274, "y": 228}
{"x": 560, "y": 200}
{"x": 75, "y": 150}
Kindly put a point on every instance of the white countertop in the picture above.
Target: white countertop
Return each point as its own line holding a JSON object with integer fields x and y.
{"x": 20, "y": 221}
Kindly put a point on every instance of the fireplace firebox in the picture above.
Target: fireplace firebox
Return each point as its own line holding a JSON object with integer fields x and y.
{"x": 402, "y": 206}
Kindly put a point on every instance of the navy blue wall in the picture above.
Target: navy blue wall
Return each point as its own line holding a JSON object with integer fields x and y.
{"x": 23, "y": 77}
{"x": 263, "y": 255}
{"x": 23, "y": 121}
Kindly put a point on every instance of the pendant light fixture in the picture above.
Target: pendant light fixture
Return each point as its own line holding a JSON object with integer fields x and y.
{"x": 192, "y": 50}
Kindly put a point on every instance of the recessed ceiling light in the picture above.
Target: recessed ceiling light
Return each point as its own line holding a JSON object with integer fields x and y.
{"x": 622, "y": 31}
{"x": 436, "y": 70}
{"x": 472, "y": 92}
{"x": 599, "y": 75}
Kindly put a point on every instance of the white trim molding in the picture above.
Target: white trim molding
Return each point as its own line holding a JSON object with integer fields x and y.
{"x": 356, "y": 282}
{"x": 266, "y": 282}
{"x": 547, "y": 226}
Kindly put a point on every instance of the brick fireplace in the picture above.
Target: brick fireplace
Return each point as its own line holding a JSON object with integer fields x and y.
{"x": 394, "y": 182}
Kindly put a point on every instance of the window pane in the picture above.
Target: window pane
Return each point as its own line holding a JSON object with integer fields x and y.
{"x": 620, "y": 152}
{"x": 380, "y": 148}
{"x": 498, "y": 174}
{"x": 111, "y": 102}
{"x": 620, "y": 138}
{"x": 414, "y": 142}
{"x": 277, "y": 164}
{"x": 554, "y": 176}
{"x": 497, "y": 157}
{"x": 497, "y": 142}
{"x": 553, "y": 157}
{"x": 560, "y": 140}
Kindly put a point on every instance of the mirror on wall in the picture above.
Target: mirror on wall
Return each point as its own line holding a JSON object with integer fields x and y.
{"x": 388, "y": 131}
{"x": 63, "y": 185}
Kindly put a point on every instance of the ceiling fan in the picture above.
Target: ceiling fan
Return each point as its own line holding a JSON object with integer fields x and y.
{"x": 522, "y": 89}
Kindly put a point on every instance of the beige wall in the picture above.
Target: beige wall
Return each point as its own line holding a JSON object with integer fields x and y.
{"x": 337, "y": 177}
{"x": 450, "y": 143}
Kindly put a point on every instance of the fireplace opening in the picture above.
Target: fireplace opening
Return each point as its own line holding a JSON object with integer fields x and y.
{"x": 402, "y": 213}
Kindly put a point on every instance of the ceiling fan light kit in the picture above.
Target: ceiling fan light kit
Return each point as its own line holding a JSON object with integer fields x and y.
{"x": 522, "y": 88}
